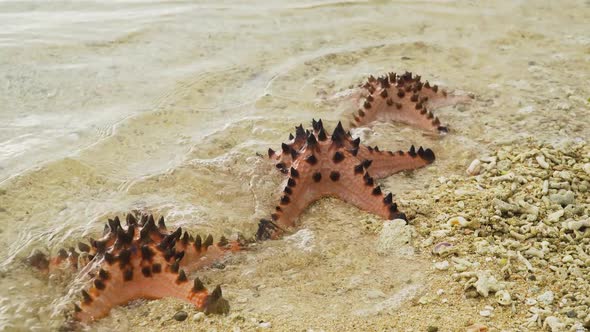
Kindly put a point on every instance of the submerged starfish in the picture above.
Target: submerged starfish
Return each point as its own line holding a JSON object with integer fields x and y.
{"x": 403, "y": 98}
{"x": 321, "y": 165}
{"x": 141, "y": 260}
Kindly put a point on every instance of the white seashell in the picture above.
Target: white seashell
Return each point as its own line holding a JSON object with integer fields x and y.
{"x": 199, "y": 316}
{"x": 485, "y": 313}
{"x": 503, "y": 298}
{"x": 441, "y": 248}
{"x": 458, "y": 222}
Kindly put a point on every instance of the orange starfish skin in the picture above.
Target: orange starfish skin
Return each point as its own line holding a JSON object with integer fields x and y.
{"x": 403, "y": 98}
{"x": 143, "y": 273}
{"x": 319, "y": 165}
{"x": 383, "y": 163}
{"x": 141, "y": 260}
{"x": 387, "y": 163}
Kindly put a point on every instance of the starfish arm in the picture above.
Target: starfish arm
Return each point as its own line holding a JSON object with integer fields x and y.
{"x": 142, "y": 274}
{"x": 353, "y": 184}
{"x": 299, "y": 192}
{"x": 202, "y": 252}
{"x": 141, "y": 260}
{"x": 386, "y": 163}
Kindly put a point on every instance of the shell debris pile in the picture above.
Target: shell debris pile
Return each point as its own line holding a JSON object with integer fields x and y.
{"x": 516, "y": 231}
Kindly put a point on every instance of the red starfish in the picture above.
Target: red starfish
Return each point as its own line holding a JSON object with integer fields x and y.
{"x": 142, "y": 260}
{"x": 321, "y": 165}
{"x": 403, "y": 98}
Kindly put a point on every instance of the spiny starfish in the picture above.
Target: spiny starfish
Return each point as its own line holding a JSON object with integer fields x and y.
{"x": 403, "y": 98}
{"x": 321, "y": 165}
{"x": 141, "y": 260}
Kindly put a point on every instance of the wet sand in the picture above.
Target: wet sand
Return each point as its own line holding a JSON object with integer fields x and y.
{"x": 157, "y": 107}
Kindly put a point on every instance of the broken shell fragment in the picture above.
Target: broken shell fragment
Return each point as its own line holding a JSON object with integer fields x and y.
{"x": 442, "y": 248}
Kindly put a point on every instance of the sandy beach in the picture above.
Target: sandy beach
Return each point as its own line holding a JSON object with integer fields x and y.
{"x": 169, "y": 108}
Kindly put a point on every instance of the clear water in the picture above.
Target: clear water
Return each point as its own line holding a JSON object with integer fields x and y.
{"x": 162, "y": 107}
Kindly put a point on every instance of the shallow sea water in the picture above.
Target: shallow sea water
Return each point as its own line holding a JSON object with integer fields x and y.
{"x": 162, "y": 107}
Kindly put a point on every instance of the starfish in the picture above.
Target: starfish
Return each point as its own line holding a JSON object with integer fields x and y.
{"x": 403, "y": 98}
{"x": 321, "y": 165}
{"x": 141, "y": 260}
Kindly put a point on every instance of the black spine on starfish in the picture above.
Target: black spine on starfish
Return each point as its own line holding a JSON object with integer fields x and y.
{"x": 342, "y": 139}
{"x": 118, "y": 241}
{"x": 128, "y": 254}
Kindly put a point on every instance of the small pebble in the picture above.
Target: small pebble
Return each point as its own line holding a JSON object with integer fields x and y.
{"x": 526, "y": 110}
{"x": 504, "y": 165}
{"x": 441, "y": 248}
{"x": 375, "y": 294}
{"x": 476, "y": 328}
{"x": 441, "y": 266}
{"x": 474, "y": 168}
{"x": 563, "y": 106}
{"x": 265, "y": 325}
{"x": 554, "y": 324}
{"x": 563, "y": 198}
{"x": 458, "y": 221}
{"x": 541, "y": 161}
{"x": 503, "y": 298}
{"x": 432, "y": 328}
{"x": 199, "y": 316}
{"x": 218, "y": 265}
{"x": 485, "y": 313}
{"x": 554, "y": 217}
{"x": 546, "y": 297}
{"x": 180, "y": 316}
